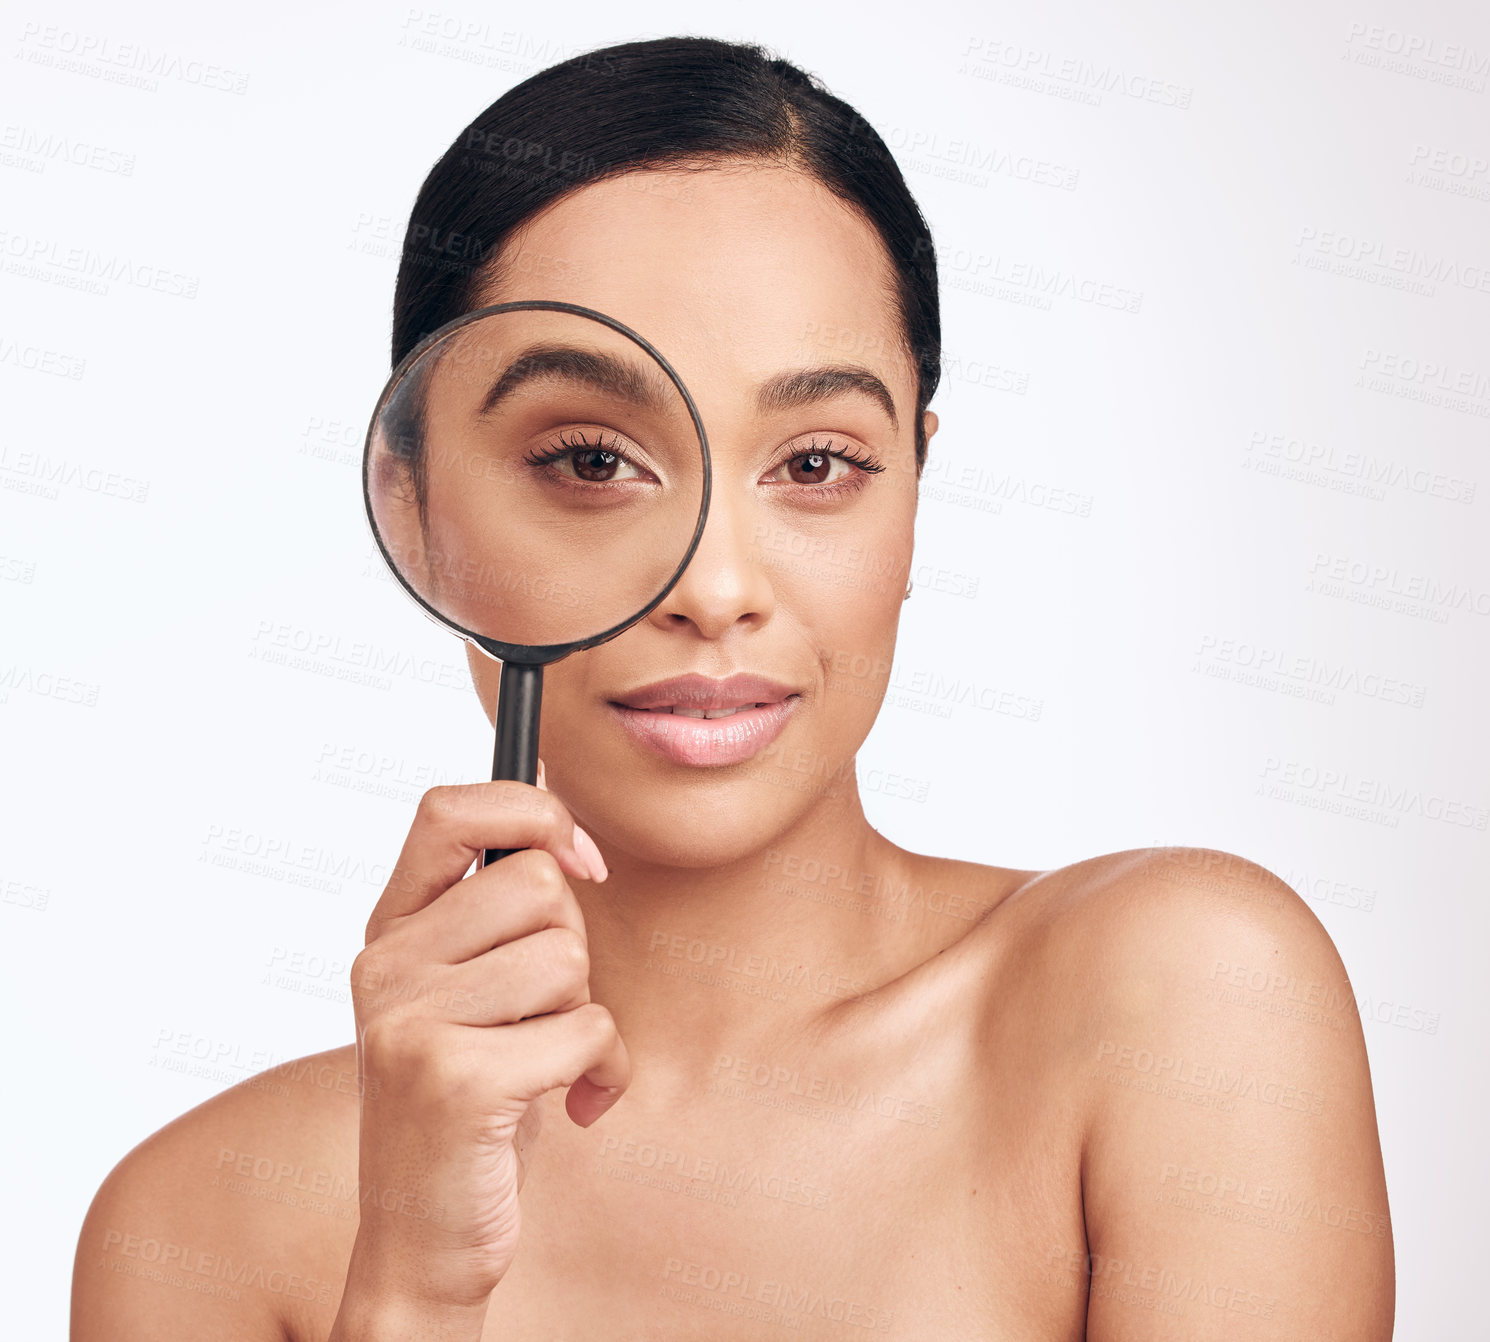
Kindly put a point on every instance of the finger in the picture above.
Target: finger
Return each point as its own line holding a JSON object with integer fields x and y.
{"x": 580, "y": 1049}
{"x": 584, "y": 844}
{"x": 544, "y": 972}
{"x": 520, "y": 895}
{"x": 455, "y": 823}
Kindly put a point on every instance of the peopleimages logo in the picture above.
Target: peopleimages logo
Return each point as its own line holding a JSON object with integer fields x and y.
{"x": 83, "y": 268}
{"x": 1422, "y": 47}
{"x": 46, "y": 146}
{"x": 1369, "y": 258}
{"x": 1172, "y": 1071}
{"x": 1341, "y": 787}
{"x": 1042, "y": 71}
{"x": 114, "y": 62}
{"x": 1284, "y": 1203}
{"x": 1379, "y": 582}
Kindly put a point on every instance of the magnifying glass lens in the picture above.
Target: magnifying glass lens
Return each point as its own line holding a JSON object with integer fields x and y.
{"x": 535, "y": 477}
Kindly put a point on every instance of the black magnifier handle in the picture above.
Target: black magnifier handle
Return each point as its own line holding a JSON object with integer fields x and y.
{"x": 516, "y": 754}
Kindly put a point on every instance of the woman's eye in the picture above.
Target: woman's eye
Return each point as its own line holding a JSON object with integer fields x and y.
{"x": 819, "y": 466}
{"x": 815, "y": 468}
{"x": 597, "y": 463}
{"x": 592, "y": 463}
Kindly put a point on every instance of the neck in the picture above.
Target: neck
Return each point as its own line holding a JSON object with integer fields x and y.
{"x": 696, "y": 963}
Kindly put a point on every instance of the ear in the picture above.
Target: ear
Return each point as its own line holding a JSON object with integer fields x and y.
{"x": 928, "y": 421}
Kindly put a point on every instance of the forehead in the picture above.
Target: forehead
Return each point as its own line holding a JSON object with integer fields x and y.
{"x": 733, "y": 271}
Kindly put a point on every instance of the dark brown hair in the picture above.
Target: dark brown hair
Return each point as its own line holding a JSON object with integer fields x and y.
{"x": 673, "y": 102}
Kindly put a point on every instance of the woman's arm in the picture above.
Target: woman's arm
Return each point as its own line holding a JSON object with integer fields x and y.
{"x": 1232, "y": 1174}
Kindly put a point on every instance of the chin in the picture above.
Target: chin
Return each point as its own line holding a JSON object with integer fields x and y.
{"x": 709, "y": 818}
{"x": 661, "y": 844}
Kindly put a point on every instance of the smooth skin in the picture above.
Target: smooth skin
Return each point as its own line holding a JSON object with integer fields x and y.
{"x": 716, "y": 1093}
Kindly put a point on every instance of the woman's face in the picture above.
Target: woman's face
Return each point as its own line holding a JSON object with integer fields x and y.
{"x": 738, "y": 275}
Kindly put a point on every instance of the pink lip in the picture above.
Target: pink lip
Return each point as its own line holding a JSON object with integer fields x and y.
{"x": 696, "y": 691}
{"x": 701, "y": 742}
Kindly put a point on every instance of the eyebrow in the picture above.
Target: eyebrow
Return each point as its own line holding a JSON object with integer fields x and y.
{"x": 786, "y": 390}
{"x": 616, "y": 377}
{"x": 603, "y": 372}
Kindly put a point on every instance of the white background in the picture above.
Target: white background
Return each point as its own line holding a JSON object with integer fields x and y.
{"x": 1278, "y": 408}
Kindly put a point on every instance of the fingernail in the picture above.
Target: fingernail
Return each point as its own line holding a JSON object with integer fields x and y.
{"x": 541, "y": 783}
{"x": 584, "y": 845}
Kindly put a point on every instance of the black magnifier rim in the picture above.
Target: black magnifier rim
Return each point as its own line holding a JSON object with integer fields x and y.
{"x": 525, "y": 653}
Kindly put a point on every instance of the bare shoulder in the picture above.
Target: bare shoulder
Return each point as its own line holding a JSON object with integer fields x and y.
{"x": 226, "y": 1221}
{"x": 1156, "y": 909}
{"x": 1230, "y": 1158}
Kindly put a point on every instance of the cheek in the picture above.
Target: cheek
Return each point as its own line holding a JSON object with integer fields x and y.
{"x": 847, "y": 601}
{"x": 486, "y": 675}
{"x": 855, "y": 639}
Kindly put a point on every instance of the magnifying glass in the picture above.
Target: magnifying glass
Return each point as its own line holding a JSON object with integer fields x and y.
{"x": 537, "y": 477}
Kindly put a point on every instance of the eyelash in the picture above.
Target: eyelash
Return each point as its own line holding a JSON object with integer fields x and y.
{"x": 851, "y": 484}
{"x": 580, "y": 444}
{"x": 865, "y": 464}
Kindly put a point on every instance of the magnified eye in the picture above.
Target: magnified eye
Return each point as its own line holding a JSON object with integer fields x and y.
{"x": 595, "y": 463}
{"x": 591, "y": 461}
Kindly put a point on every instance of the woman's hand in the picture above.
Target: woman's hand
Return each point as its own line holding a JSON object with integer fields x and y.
{"x": 472, "y": 1000}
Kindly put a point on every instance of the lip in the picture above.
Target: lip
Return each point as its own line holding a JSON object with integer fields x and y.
{"x": 697, "y": 691}
{"x": 701, "y": 742}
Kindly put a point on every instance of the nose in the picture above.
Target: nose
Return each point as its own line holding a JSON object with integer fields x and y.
{"x": 724, "y": 584}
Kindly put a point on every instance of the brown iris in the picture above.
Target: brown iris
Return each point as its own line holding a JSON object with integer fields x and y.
{"x": 810, "y": 468}
{"x": 595, "y": 463}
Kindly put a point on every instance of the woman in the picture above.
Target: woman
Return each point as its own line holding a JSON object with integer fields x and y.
{"x": 710, "y": 1056}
